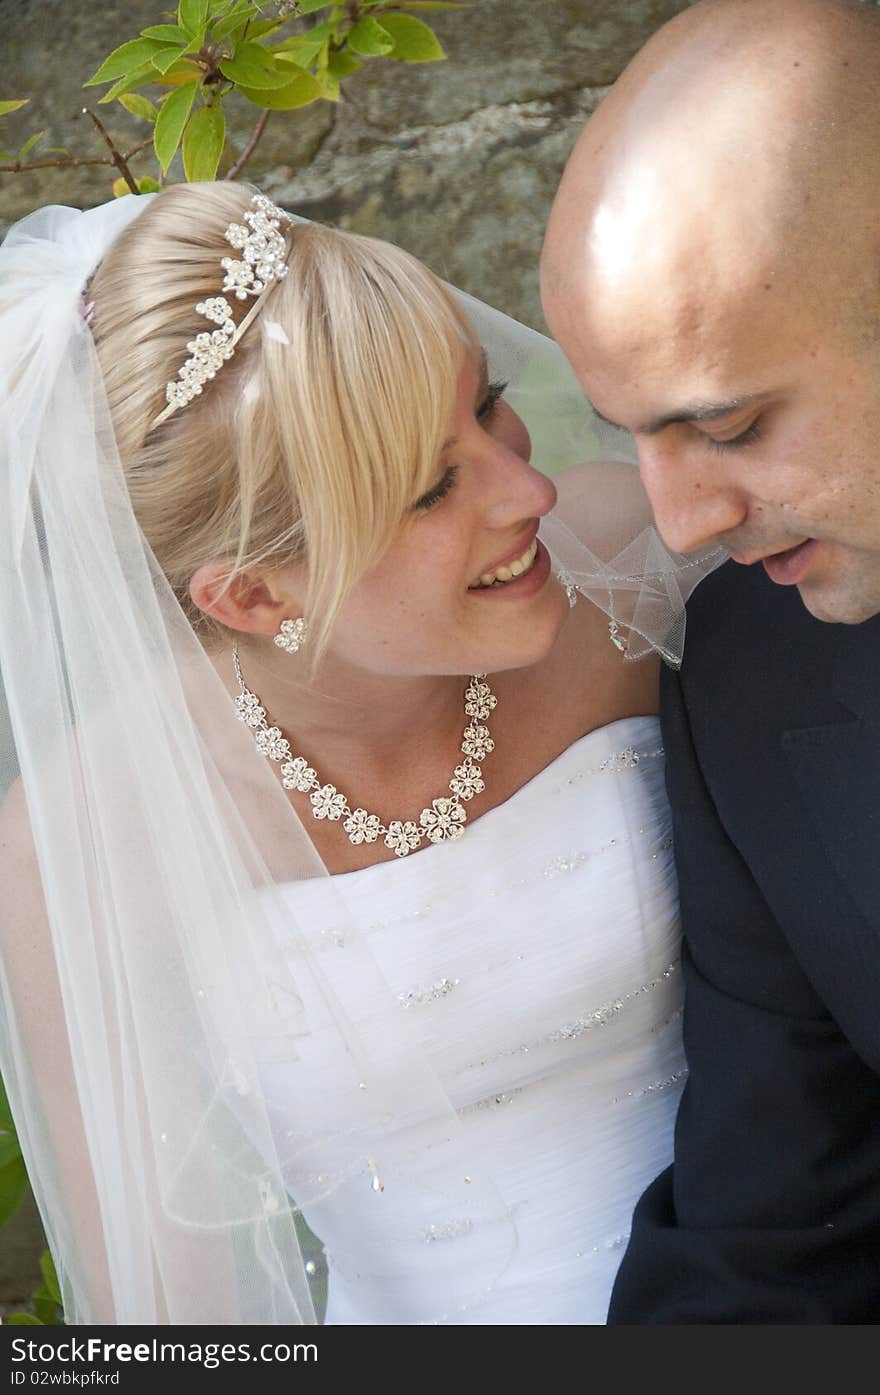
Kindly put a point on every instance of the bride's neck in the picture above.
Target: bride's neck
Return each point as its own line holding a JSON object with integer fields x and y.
{"x": 347, "y": 716}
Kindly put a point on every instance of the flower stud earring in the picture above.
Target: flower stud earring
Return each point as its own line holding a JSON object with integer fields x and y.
{"x": 292, "y": 635}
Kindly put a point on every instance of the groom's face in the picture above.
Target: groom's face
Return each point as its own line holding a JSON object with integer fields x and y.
{"x": 755, "y": 407}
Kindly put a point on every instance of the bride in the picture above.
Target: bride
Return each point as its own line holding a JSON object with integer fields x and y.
{"x": 338, "y": 890}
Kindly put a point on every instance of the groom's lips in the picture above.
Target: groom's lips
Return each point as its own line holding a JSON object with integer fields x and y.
{"x": 790, "y": 567}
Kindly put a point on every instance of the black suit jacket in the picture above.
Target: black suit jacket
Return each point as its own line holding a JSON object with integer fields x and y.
{"x": 771, "y": 1212}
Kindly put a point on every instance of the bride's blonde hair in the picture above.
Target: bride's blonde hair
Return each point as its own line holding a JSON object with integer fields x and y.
{"x": 315, "y": 438}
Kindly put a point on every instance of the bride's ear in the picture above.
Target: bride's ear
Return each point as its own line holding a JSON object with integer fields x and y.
{"x": 251, "y": 602}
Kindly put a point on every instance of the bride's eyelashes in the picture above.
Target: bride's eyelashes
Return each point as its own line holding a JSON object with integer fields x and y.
{"x": 440, "y": 489}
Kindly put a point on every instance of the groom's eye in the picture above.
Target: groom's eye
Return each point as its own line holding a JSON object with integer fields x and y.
{"x": 745, "y": 438}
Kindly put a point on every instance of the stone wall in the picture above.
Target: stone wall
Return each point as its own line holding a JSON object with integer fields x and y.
{"x": 458, "y": 162}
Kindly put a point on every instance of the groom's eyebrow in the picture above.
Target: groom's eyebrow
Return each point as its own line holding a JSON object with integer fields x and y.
{"x": 697, "y": 411}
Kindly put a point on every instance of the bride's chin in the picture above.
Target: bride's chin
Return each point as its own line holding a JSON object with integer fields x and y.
{"x": 532, "y": 637}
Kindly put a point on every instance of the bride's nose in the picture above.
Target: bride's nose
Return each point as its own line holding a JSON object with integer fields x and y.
{"x": 513, "y": 490}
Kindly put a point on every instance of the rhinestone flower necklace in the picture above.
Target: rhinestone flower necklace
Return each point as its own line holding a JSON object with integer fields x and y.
{"x": 446, "y": 816}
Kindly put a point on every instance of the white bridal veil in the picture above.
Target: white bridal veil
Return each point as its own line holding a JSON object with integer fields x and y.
{"x": 156, "y": 968}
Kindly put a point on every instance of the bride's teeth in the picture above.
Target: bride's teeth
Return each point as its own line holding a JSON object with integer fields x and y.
{"x": 515, "y": 569}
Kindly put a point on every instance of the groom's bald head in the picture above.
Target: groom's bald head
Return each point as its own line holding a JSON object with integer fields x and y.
{"x": 741, "y": 146}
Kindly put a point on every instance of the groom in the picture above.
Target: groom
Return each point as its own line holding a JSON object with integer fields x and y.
{"x": 712, "y": 270}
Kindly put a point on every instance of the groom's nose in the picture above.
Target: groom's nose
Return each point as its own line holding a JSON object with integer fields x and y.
{"x": 692, "y": 506}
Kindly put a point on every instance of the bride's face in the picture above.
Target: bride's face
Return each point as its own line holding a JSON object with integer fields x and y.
{"x": 423, "y": 609}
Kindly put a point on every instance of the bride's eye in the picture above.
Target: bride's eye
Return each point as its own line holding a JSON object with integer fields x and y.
{"x": 486, "y": 409}
{"x": 439, "y": 491}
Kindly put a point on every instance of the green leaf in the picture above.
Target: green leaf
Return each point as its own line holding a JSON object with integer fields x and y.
{"x": 125, "y": 59}
{"x": 23, "y": 1320}
{"x": 299, "y": 92}
{"x": 313, "y": 53}
{"x": 13, "y": 1185}
{"x": 370, "y": 39}
{"x": 414, "y": 42}
{"x": 145, "y": 73}
{"x": 438, "y": 5}
{"x": 9, "y": 1146}
{"x": 328, "y": 84}
{"x": 184, "y": 70}
{"x": 45, "y": 1308}
{"x": 166, "y": 59}
{"x": 144, "y": 186}
{"x": 168, "y": 33}
{"x": 297, "y": 50}
{"x": 341, "y": 64}
{"x": 139, "y": 106}
{"x": 30, "y": 143}
{"x": 233, "y": 20}
{"x": 253, "y": 66}
{"x": 263, "y": 27}
{"x": 13, "y": 106}
{"x": 6, "y": 1118}
{"x": 308, "y": 7}
{"x": 304, "y": 48}
{"x": 192, "y": 15}
{"x": 50, "y": 1278}
{"x": 170, "y": 122}
{"x": 203, "y": 142}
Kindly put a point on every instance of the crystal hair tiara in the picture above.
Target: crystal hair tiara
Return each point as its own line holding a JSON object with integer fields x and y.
{"x": 263, "y": 249}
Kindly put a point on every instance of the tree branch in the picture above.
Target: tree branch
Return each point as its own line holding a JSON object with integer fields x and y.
{"x": 117, "y": 159}
{"x": 250, "y": 147}
{"x": 70, "y": 160}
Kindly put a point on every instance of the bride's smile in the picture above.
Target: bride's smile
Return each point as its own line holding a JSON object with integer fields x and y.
{"x": 505, "y": 572}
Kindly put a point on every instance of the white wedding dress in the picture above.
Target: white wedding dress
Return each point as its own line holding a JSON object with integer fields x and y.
{"x": 538, "y": 958}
